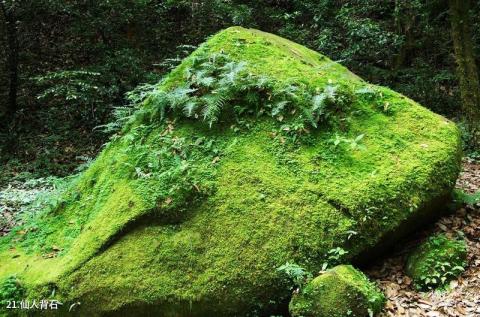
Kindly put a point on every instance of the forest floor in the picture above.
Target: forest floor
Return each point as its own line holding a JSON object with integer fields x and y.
{"x": 463, "y": 295}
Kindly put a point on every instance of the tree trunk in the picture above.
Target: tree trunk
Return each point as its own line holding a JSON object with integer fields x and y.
{"x": 405, "y": 18}
{"x": 12, "y": 56}
{"x": 466, "y": 67}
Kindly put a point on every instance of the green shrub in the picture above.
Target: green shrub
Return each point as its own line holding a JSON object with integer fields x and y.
{"x": 437, "y": 261}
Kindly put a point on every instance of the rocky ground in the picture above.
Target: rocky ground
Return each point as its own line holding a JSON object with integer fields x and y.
{"x": 463, "y": 298}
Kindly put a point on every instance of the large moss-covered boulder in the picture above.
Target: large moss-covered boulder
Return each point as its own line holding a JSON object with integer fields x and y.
{"x": 437, "y": 261}
{"x": 340, "y": 292}
{"x": 253, "y": 152}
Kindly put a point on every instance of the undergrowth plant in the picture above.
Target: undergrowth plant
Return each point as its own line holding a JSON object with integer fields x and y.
{"x": 81, "y": 94}
{"x": 334, "y": 257}
{"x": 23, "y": 200}
{"x": 466, "y": 198}
{"x": 27, "y": 208}
{"x": 296, "y": 274}
{"x": 217, "y": 88}
{"x": 376, "y": 97}
{"x": 437, "y": 261}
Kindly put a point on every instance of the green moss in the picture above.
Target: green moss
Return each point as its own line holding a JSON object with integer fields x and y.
{"x": 183, "y": 219}
{"x": 437, "y": 261}
{"x": 340, "y": 292}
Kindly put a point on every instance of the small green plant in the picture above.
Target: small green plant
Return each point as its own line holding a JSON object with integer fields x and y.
{"x": 87, "y": 96}
{"x": 354, "y": 143}
{"x": 375, "y": 97}
{"x": 465, "y": 198}
{"x": 441, "y": 272}
{"x": 368, "y": 213}
{"x": 437, "y": 261}
{"x": 468, "y": 137}
{"x": 10, "y": 290}
{"x": 181, "y": 52}
{"x": 334, "y": 257}
{"x": 296, "y": 274}
{"x": 68, "y": 85}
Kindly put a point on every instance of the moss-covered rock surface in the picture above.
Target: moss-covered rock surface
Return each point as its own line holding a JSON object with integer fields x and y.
{"x": 253, "y": 152}
{"x": 437, "y": 261}
{"x": 340, "y": 292}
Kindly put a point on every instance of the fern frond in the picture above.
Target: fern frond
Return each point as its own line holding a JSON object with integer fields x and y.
{"x": 262, "y": 83}
{"x": 213, "y": 106}
{"x": 206, "y": 81}
{"x": 232, "y": 70}
{"x": 330, "y": 92}
{"x": 288, "y": 91}
{"x": 252, "y": 97}
{"x": 179, "y": 96}
{"x": 160, "y": 103}
{"x": 279, "y": 107}
{"x": 318, "y": 102}
{"x": 190, "y": 108}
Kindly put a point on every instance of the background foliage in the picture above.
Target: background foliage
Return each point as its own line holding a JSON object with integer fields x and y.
{"x": 78, "y": 59}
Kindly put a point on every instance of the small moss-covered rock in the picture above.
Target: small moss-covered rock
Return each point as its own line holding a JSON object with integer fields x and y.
{"x": 437, "y": 261}
{"x": 340, "y": 292}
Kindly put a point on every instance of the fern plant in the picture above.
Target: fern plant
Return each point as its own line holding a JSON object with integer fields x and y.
{"x": 216, "y": 85}
{"x": 296, "y": 274}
